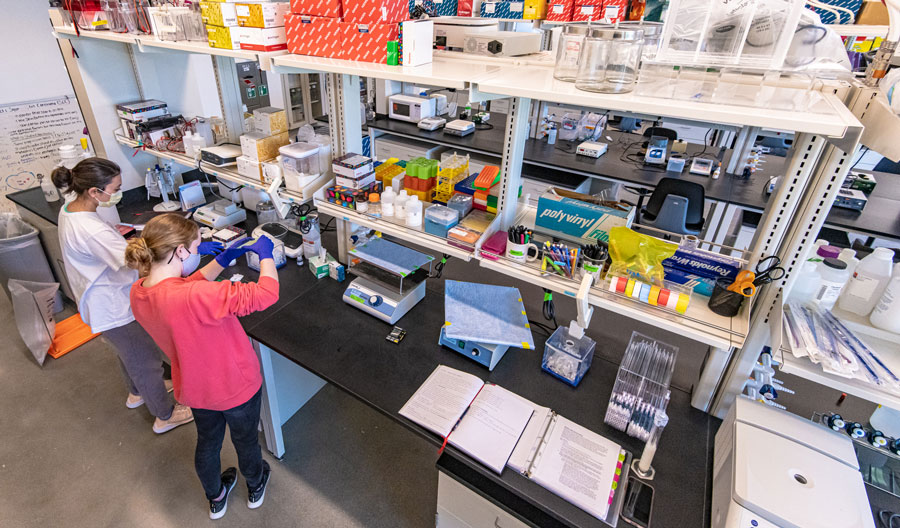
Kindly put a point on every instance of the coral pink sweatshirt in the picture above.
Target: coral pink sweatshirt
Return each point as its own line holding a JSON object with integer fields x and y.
{"x": 195, "y": 323}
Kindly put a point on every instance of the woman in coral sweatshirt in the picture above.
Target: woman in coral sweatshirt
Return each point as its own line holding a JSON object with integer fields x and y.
{"x": 194, "y": 320}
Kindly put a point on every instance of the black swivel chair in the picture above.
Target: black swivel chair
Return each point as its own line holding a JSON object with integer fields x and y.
{"x": 675, "y": 206}
{"x": 667, "y": 133}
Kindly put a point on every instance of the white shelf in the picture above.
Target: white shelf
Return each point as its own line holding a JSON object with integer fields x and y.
{"x": 413, "y": 235}
{"x": 149, "y": 41}
{"x": 856, "y": 30}
{"x": 830, "y": 117}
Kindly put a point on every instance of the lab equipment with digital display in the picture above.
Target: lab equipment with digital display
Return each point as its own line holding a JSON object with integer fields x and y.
{"x": 432, "y": 123}
{"x": 219, "y": 214}
{"x": 459, "y": 127}
{"x": 702, "y": 166}
{"x": 591, "y": 149}
{"x": 656, "y": 150}
{"x": 293, "y": 240}
{"x": 390, "y": 279}
{"x": 483, "y": 321}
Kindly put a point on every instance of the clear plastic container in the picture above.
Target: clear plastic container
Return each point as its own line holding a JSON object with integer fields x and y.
{"x": 834, "y": 277}
{"x": 265, "y": 212}
{"x": 868, "y": 282}
{"x": 461, "y": 203}
{"x": 652, "y": 37}
{"x": 609, "y": 60}
{"x": 278, "y": 256}
{"x": 439, "y": 219}
{"x": 568, "y": 49}
{"x": 886, "y": 314}
{"x": 301, "y": 165}
{"x": 568, "y": 357}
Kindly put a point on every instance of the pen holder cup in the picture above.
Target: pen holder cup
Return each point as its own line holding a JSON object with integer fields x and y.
{"x": 521, "y": 252}
{"x": 724, "y": 302}
{"x": 593, "y": 267}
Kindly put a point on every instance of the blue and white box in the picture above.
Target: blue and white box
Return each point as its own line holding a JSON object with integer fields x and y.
{"x": 503, "y": 9}
{"x": 579, "y": 217}
{"x": 436, "y": 7}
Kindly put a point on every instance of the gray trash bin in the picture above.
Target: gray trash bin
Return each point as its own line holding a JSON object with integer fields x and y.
{"x": 21, "y": 255}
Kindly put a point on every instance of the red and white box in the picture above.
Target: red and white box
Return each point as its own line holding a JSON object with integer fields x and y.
{"x": 263, "y": 39}
{"x": 608, "y": 12}
{"x": 465, "y": 7}
{"x": 324, "y": 8}
{"x": 314, "y": 35}
{"x": 560, "y": 10}
{"x": 366, "y": 42}
{"x": 375, "y": 11}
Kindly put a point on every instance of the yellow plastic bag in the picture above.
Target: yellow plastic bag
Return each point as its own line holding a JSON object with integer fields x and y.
{"x": 640, "y": 256}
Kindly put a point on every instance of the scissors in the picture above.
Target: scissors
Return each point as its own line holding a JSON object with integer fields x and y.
{"x": 744, "y": 283}
{"x": 768, "y": 270}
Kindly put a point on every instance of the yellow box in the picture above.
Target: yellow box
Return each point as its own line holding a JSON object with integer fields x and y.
{"x": 224, "y": 37}
{"x": 218, "y": 14}
{"x": 260, "y": 147}
{"x": 270, "y": 120}
{"x": 534, "y": 10}
{"x": 262, "y": 14}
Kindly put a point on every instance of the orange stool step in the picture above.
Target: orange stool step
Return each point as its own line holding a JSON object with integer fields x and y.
{"x": 71, "y": 333}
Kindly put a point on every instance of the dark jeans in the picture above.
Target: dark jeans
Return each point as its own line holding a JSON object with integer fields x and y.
{"x": 243, "y": 421}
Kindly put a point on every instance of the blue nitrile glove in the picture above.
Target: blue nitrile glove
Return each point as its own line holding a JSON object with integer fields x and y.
{"x": 210, "y": 248}
{"x": 264, "y": 247}
{"x": 234, "y": 251}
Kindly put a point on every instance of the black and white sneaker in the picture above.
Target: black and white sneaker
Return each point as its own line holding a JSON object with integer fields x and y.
{"x": 255, "y": 496}
{"x": 217, "y": 508}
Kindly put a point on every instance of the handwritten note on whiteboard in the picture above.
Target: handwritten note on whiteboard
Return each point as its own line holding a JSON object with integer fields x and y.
{"x": 30, "y": 133}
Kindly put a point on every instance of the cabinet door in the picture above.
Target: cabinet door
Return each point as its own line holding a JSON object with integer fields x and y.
{"x": 460, "y": 507}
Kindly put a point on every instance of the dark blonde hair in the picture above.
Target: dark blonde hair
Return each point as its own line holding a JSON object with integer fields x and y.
{"x": 86, "y": 175}
{"x": 162, "y": 235}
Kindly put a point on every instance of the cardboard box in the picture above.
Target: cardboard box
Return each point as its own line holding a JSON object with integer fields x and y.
{"x": 560, "y": 10}
{"x": 224, "y": 37}
{"x": 375, "y": 11}
{"x": 503, "y": 9}
{"x": 352, "y": 165}
{"x": 218, "y": 14}
{"x": 260, "y": 147}
{"x": 263, "y": 39}
{"x": 436, "y": 7}
{"x": 535, "y": 10}
{"x": 314, "y": 35}
{"x": 611, "y": 11}
{"x": 270, "y": 120}
{"x": 355, "y": 183}
{"x": 873, "y": 13}
{"x": 416, "y": 42}
{"x": 262, "y": 14}
{"x": 325, "y": 8}
{"x": 575, "y": 216}
{"x": 366, "y": 42}
{"x": 250, "y": 168}
{"x": 319, "y": 266}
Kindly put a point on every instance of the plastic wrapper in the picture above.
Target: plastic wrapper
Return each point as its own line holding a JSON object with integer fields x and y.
{"x": 637, "y": 255}
{"x": 33, "y": 304}
{"x": 816, "y": 47}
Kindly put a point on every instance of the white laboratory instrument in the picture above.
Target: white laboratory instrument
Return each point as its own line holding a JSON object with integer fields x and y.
{"x": 502, "y": 43}
{"x": 219, "y": 214}
{"x": 432, "y": 123}
{"x": 591, "y": 149}
{"x": 774, "y": 469}
{"x": 440, "y": 104}
{"x": 165, "y": 181}
{"x": 222, "y": 155}
{"x": 410, "y": 108}
{"x": 702, "y": 166}
{"x": 292, "y": 240}
{"x": 450, "y": 32}
{"x": 459, "y": 127}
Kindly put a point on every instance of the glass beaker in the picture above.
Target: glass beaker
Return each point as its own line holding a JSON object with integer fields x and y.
{"x": 265, "y": 213}
{"x": 568, "y": 49}
{"x": 652, "y": 37}
{"x": 609, "y": 60}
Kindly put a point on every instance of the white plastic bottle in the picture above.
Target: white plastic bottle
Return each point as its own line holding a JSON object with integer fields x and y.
{"x": 312, "y": 241}
{"x": 400, "y": 204}
{"x": 868, "y": 282}
{"x": 814, "y": 252}
{"x": 849, "y": 256}
{"x": 834, "y": 277}
{"x": 387, "y": 202}
{"x": 413, "y": 211}
{"x": 188, "y": 141}
{"x": 808, "y": 283}
{"x": 886, "y": 314}
{"x": 51, "y": 194}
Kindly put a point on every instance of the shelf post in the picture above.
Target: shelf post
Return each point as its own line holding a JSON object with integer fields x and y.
{"x": 511, "y": 165}
{"x": 229, "y": 96}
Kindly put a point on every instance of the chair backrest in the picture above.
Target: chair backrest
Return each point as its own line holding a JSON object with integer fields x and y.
{"x": 667, "y": 193}
{"x": 667, "y": 133}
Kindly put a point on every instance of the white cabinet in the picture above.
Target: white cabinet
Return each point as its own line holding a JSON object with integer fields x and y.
{"x": 460, "y": 507}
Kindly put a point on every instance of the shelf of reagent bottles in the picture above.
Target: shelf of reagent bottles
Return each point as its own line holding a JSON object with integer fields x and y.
{"x": 395, "y": 228}
{"x": 698, "y": 322}
{"x": 142, "y": 41}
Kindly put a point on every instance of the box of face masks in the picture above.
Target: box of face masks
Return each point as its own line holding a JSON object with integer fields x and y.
{"x": 577, "y": 216}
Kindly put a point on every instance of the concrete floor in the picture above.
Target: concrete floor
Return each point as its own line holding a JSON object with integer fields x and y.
{"x": 72, "y": 454}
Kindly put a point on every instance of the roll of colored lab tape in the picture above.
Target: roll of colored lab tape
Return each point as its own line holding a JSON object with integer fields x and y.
{"x": 636, "y": 291}
{"x": 682, "y": 303}
{"x": 629, "y": 288}
{"x": 672, "y": 301}
{"x": 613, "y": 282}
{"x": 620, "y": 287}
{"x": 654, "y": 295}
{"x": 663, "y": 297}
{"x": 645, "y": 293}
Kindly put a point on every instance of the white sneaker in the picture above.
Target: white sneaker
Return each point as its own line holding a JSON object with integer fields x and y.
{"x": 181, "y": 415}
{"x": 133, "y": 401}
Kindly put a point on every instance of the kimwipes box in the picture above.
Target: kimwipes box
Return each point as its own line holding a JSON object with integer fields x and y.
{"x": 314, "y": 35}
{"x": 375, "y": 11}
{"x": 575, "y": 216}
{"x": 325, "y": 8}
{"x": 366, "y": 42}
{"x": 262, "y": 14}
{"x": 263, "y": 39}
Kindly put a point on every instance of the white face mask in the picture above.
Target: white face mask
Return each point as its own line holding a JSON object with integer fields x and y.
{"x": 114, "y": 198}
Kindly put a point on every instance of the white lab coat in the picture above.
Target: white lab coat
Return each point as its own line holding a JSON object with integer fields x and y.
{"x": 94, "y": 255}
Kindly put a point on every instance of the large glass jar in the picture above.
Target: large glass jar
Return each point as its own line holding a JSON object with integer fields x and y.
{"x": 652, "y": 37}
{"x": 609, "y": 60}
{"x": 567, "y": 51}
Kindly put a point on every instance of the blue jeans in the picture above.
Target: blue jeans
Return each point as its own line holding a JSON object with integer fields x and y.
{"x": 243, "y": 422}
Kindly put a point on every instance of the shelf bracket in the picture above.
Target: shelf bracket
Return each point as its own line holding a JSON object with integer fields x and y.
{"x": 582, "y": 301}
{"x": 477, "y": 96}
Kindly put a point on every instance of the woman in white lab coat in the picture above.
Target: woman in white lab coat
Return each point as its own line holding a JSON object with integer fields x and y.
{"x": 94, "y": 255}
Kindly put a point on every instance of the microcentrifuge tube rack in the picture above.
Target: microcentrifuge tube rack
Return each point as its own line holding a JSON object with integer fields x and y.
{"x": 642, "y": 386}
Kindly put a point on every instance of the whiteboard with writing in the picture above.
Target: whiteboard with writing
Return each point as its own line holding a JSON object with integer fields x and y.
{"x": 30, "y": 133}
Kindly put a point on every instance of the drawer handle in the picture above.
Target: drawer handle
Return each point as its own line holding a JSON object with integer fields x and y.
{"x": 497, "y": 523}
